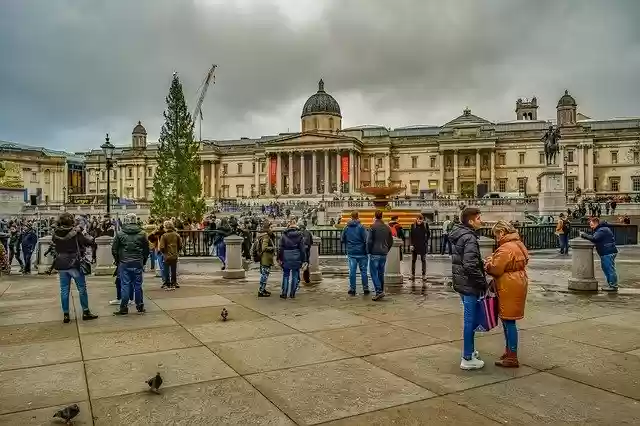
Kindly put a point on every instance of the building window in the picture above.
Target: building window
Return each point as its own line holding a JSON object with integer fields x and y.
{"x": 467, "y": 161}
{"x": 635, "y": 183}
{"x": 129, "y": 173}
{"x": 225, "y": 191}
{"x": 539, "y": 184}
{"x": 114, "y": 174}
{"x": 253, "y": 167}
{"x": 47, "y": 176}
{"x": 331, "y": 123}
{"x": 433, "y": 184}
{"x": 34, "y": 177}
{"x": 614, "y": 184}
{"x": 263, "y": 164}
{"x": 225, "y": 169}
{"x": 365, "y": 163}
{"x": 502, "y": 159}
{"x": 103, "y": 175}
{"x": 614, "y": 157}
{"x": 595, "y": 157}
{"x": 239, "y": 168}
{"x": 542, "y": 157}
{"x": 502, "y": 185}
{"x": 521, "y": 158}
{"x": 415, "y": 187}
{"x": 448, "y": 187}
{"x": 150, "y": 171}
{"x": 315, "y": 123}
{"x": 378, "y": 163}
{"x": 636, "y": 157}
{"x": 570, "y": 156}
{"x": 263, "y": 189}
{"x": 522, "y": 185}
{"x": 485, "y": 162}
{"x": 414, "y": 162}
{"x": 571, "y": 184}
{"x": 432, "y": 162}
{"x": 239, "y": 190}
{"x": 396, "y": 163}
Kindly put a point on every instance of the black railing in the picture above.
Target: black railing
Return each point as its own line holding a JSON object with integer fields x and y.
{"x": 197, "y": 243}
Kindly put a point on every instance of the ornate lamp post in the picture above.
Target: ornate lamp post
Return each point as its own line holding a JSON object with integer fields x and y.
{"x": 108, "y": 149}
{"x": 565, "y": 157}
{"x": 64, "y": 198}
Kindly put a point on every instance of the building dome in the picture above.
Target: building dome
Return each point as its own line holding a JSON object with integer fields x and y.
{"x": 567, "y": 100}
{"x": 139, "y": 129}
{"x": 321, "y": 103}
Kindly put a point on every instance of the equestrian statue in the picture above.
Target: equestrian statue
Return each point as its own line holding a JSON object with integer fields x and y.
{"x": 551, "y": 145}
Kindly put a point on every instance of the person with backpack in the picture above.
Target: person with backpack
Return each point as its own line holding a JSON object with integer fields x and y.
{"x": 262, "y": 251}
{"x": 562, "y": 231}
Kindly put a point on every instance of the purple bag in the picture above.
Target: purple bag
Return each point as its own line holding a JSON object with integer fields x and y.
{"x": 487, "y": 311}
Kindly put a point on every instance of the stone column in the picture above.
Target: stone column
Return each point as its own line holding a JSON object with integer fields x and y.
{"x": 44, "y": 262}
{"x": 256, "y": 176}
{"x": 135, "y": 182}
{"x": 486, "y": 246}
{"x": 582, "y": 269}
{"x": 202, "y": 177}
{"x": 144, "y": 180}
{"x": 455, "y": 172}
{"x": 290, "y": 155}
{"x": 392, "y": 275}
{"x": 441, "y": 182}
{"x": 234, "y": 267}
{"x": 352, "y": 171}
{"x": 338, "y": 172}
{"x": 121, "y": 182}
{"x": 104, "y": 258}
{"x": 478, "y": 161}
{"x": 493, "y": 171}
{"x": 315, "y": 276}
{"x": 325, "y": 178}
{"x": 303, "y": 184}
{"x": 279, "y": 173}
{"x": 314, "y": 173}
{"x": 212, "y": 181}
{"x": 590, "y": 174}
{"x": 581, "y": 180}
{"x": 387, "y": 168}
{"x": 372, "y": 170}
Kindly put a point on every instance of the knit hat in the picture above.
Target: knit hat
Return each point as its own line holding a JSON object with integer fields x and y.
{"x": 130, "y": 218}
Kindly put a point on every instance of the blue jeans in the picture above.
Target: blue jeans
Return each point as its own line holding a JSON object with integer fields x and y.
{"x": 65, "y": 284}
{"x": 510, "y": 334}
{"x": 119, "y": 287}
{"x": 160, "y": 259}
{"x": 608, "y": 265}
{"x": 131, "y": 277}
{"x": 470, "y": 305}
{"x": 264, "y": 276}
{"x": 564, "y": 243}
{"x": 221, "y": 250}
{"x": 376, "y": 266}
{"x": 295, "y": 280}
{"x": 445, "y": 243}
{"x": 152, "y": 259}
{"x": 354, "y": 263}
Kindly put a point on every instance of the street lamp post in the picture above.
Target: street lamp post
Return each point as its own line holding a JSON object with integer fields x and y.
{"x": 64, "y": 198}
{"x": 565, "y": 157}
{"x": 108, "y": 149}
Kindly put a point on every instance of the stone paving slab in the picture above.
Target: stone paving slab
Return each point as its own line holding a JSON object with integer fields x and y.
{"x": 607, "y": 336}
{"x": 178, "y": 302}
{"x": 133, "y": 321}
{"x": 239, "y": 330}
{"x": 545, "y": 399}
{"x": 323, "y": 392}
{"x": 445, "y": 327}
{"x": 211, "y": 314}
{"x": 35, "y": 354}
{"x": 313, "y": 319}
{"x": 43, "y": 416}
{"x": 36, "y": 332}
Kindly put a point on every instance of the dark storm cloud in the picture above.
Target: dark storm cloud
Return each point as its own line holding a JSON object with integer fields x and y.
{"x": 75, "y": 69}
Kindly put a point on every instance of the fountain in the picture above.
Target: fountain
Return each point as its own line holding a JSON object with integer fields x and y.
{"x": 381, "y": 201}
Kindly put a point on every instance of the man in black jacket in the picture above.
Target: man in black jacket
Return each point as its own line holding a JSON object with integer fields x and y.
{"x": 419, "y": 237}
{"x": 379, "y": 242}
{"x": 468, "y": 279}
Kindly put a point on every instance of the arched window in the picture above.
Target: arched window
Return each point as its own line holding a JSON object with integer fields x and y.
{"x": 331, "y": 123}
{"x": 315, "y": 123}
{"x": 47, "y": 176}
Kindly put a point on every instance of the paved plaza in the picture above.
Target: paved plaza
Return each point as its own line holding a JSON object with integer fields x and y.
{"x": 323, "y": 358}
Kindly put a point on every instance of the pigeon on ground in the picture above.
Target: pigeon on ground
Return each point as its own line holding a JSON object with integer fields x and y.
{"x": 68, "y": 413}
{"x": 224, "y": 314}
{"x": 155, "y": 383}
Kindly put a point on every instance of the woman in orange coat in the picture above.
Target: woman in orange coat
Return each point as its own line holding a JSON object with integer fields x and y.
{"x": 507, "y": 265}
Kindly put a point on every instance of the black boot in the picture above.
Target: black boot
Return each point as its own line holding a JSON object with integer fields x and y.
{"x": 121, "y": 312}
{"x": 66, "y": 319}
{"x": 87, "y": 315}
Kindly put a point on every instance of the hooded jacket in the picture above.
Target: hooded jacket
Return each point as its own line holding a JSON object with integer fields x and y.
{"x": 70, "y": 247}
{"x": 354, "y": 236}
{"x": 292, "y": 251}
{"x": 603, "y": 239}
{"x": 466, "y": 262}
{"x": 130, "y": 246}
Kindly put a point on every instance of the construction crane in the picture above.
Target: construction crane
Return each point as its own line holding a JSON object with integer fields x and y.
{"x": 197, "y": 112}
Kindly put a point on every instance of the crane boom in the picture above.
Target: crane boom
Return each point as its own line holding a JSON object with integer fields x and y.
{"x": 197, "y": 112}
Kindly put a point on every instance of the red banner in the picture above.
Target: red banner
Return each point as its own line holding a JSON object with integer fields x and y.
{"x": 344, "y": 171}
{"x": 273, "y": 170}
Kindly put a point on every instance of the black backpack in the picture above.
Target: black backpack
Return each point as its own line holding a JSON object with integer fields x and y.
{"x": 566, "y": 226}
{"x": 256, "y": 253}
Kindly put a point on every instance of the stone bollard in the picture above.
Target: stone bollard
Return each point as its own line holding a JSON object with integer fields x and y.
{"x": 486, "y": 246}
{"x": 104, "y": 258}
{"x": 44, "y": 262}
{"x": 392, "y": 274}
{"x": 315, "y": 276}
{"x": 582, "y": 268}
{"x": 234, "y": 267}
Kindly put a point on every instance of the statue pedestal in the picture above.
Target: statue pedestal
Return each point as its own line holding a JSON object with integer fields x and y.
{"x": 552, "y": 199}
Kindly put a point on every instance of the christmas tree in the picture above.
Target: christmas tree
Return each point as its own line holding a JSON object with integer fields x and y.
{"x": 176, "y": 185}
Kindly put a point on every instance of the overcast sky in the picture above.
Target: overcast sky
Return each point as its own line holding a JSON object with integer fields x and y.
{"x": 72, "y": 70}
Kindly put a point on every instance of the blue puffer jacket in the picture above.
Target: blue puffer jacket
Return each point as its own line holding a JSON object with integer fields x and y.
{"x": 603, "y": 239}
{"x": 29, "y": 241}
{"x": 291, "y": 251}
{"x": 355, "y": 237}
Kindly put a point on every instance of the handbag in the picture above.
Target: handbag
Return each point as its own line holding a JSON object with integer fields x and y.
{"x": 83, "y": 264}
{"x": 487, "y": 310}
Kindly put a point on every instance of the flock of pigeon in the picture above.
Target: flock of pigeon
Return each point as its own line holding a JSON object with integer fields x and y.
{"x": 68, "y": 413}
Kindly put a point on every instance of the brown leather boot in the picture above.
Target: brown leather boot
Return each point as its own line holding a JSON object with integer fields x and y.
{"x": 509, "y": 361}
{"x": 506, "y": 352}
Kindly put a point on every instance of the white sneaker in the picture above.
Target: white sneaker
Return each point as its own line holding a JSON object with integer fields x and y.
{"x": 471, "y": 364}
{"x": 114, "y": 302}
{"x": 475, "y": 355}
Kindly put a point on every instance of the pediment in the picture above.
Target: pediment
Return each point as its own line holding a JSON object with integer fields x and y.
{"x": 310, "y": 138}
{"x": 467, "y": 119}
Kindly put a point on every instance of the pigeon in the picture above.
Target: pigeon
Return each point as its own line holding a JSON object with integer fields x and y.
{"x": 155, "y": 383}
{"x": 224, "y": 314}
{"x": 68, "y": 413}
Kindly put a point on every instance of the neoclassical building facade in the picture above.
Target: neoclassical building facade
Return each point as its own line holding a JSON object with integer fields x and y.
{"x": 464, "y": 157}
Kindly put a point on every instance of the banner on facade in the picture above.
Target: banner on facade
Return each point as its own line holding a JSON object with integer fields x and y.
{"x": 273, "y": 170}
{"x": 345, "y": 168}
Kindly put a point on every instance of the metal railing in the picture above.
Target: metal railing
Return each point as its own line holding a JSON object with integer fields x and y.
{"x": 534, "y": 237}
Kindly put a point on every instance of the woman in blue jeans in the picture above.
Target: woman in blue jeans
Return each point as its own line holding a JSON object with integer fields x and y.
{"x": 70, "y": 245}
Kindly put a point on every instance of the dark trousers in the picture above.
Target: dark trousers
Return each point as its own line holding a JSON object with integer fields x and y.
{"x": 446, "y": 243}
{"x": 423, "y": 260}
{"x": 118, "y": 282}
{"x": 15, "y": 253}
{"x": 27, "y": 261}
{"x": 170, "y": 271}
